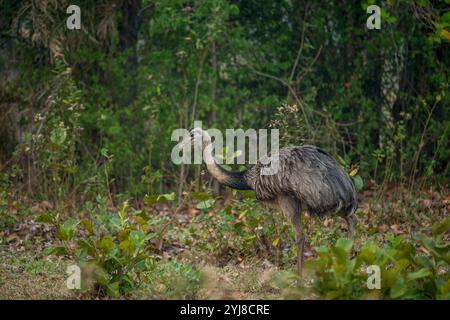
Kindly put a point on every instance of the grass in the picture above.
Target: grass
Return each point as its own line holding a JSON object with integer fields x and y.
{"x": 24, "y": 275}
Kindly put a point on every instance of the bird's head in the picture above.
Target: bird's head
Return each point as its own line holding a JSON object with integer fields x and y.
{"x": 198, "y": 137}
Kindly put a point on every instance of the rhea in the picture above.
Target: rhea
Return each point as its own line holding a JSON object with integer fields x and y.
{"x": 307, "y": 179}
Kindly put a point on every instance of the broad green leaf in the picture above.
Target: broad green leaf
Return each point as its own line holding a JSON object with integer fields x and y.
{"x": 399, "y": 288}
{"x": 116, "y": 222}
{"x": 80, "y": 254}
{"x": 137, "y": 237}
{"x": 422, "y": 273}
{"x": 345, "y": 244}
{"x": 67, "y": 229}
{"x": 126, "y": 247}
{"x": 168, "y": 196}
{"x": 106, "y": 244}
{"x": 205, "y": 204}
{"x": 359, "y": 183}
{"x": 322, "y": 249}
{"x": 162, "y": 198}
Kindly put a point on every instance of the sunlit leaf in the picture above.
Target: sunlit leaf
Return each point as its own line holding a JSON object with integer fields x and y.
{"x": 205, "y": 204}
{"x": 353, "y": 172}
{"x": 243, "y": 213}
{"x": 276, "y": 242}
{"x": 359, "y": 183}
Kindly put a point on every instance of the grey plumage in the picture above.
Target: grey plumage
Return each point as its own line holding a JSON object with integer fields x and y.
{"x": 309, "y": 175}
{"x": 307, "y": 179}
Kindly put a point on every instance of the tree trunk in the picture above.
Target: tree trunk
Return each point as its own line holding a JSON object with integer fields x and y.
{"x": 128, "y": 36}
{"x": 212, "y": 113}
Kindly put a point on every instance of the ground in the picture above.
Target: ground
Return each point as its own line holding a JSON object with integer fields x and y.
{"x": 223, "y": 272}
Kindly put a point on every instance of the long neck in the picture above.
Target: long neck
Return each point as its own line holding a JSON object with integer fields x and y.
{"x": 235, "y": 180}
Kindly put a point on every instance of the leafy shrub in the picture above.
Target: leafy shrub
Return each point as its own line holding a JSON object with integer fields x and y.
{"x": 238, "y": 229}
{"x": 115, "y": 251}
{"x": 405, "y": 273}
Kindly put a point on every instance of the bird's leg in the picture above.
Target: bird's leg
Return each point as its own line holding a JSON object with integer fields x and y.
{"x": 300, "y": 241}
{"x": 292, "y": 211}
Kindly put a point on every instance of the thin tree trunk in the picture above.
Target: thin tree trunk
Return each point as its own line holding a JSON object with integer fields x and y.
{"x": 212, "y": 113}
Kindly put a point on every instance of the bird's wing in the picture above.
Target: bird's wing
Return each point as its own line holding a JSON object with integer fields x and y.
{"x": 309, "y": 175}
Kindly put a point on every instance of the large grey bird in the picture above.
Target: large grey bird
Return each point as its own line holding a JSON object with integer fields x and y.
{"x": 307, "y": 179}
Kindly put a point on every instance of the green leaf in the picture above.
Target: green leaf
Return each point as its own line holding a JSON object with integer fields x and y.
{"x": 441, "y": 227}
{"x": 359, "y": 183}
{"x": 168, "y": 196}
{"x": 137, "y": 237}
{"x": 424, "y": 261}
{"x": 395, "y": 242}
{"x": 243, "y": 213}
{"x": 88, "y": 246}
{"x": 161, "y": 198}
{"x": 399, "y": 288}
{"x": 80, "y": 254}
{"x": 150, "y": 199}
{"x": 322, "y": 249}
{"x": 57, "y": 251}
{"x": 87, "y": 224}
{"x": 340, "y": 254}
{"x": 126, "y": 246}
{"x": 339, "y": 160}
{"x": 276, "y": 242}
{"x": 205, "y": 204}
{"x": 345, "y": 244}
{"x": 422, "y": 273}
{"x": 234, "y": 10}
{"x": 46, "y": 217}
{"x": 58, "y": 136}
{"x": 116, "y": 222}
{"x": 112, "y": 289}
{"x": 67, "y": 229}
{"x": 106, "y": 244}
{"x": 104, "y": 152}
{"x": 123, "y": 211}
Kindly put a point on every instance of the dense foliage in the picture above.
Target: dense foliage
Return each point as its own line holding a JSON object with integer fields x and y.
{"x": 139, "y": 69}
